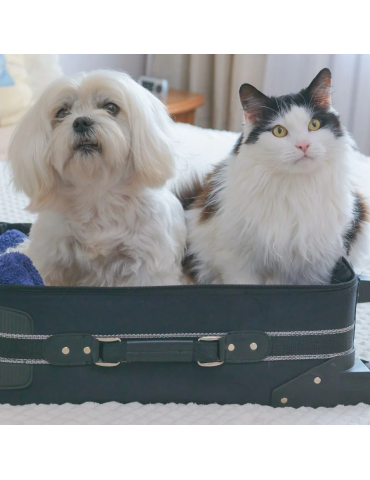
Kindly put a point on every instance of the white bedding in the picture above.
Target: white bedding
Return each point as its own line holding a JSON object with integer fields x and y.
{"x": 203, "y": 145}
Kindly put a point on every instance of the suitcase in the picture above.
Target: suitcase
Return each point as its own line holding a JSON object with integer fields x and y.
{"x": 226, "y": 344}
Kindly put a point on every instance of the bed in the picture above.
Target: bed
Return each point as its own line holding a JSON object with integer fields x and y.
{"x": 203, "y": 146}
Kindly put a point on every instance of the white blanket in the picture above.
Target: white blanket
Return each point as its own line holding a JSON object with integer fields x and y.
{"x": 203, "y": 146}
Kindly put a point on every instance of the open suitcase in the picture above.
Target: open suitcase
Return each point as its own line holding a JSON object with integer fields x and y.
{"x": 272, "y": 345}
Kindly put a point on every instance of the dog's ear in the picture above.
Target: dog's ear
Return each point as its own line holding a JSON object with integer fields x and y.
{"x": 32, "y": 171}
{"x": 152, "y": 150}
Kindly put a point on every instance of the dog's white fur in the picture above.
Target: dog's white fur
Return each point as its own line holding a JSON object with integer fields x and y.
{"x": 105, "y": 218}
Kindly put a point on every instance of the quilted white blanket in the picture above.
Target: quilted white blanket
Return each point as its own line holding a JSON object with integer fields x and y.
{"x": 203, "y": 146}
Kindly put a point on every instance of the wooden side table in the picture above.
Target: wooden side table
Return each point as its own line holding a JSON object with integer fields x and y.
{"x": 181, "y": 105}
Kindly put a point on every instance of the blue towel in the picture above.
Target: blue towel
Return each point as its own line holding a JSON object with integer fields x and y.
{"x": 5, "y": 79}
{"x": 11, "y": 238}
{"x": 17, "y": 269}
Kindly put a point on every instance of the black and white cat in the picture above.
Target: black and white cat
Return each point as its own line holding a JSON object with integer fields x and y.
{"x": 284, "y": 206}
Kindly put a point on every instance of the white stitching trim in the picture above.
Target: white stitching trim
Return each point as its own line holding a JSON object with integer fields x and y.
{"x": 124, "y": 335}
{"x": 163, "y": 335}
{"x": 23, "y": 360}
{"x": 311, "y": 332}
{"x": 25, "y": 337}
{"x": 176, "y": 335}
{"x": 308, "y": 357}
{"x": 267, "y": 359}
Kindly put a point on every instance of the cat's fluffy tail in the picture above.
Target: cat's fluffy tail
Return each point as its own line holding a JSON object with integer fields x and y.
{"x": 189, "y": 179}
{"x": 188, "y": 189}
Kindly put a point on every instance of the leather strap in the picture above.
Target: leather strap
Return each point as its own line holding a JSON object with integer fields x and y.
{"x": 364, "y": 289}
{"x": 234, "y": 347}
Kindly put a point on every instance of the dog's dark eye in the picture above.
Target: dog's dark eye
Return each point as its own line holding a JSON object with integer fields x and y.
{"x": 62, "y": 112}
{"x": 112, "y": 108}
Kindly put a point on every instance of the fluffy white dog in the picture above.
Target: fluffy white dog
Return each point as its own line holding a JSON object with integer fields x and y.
{"x": 93, "y": 155}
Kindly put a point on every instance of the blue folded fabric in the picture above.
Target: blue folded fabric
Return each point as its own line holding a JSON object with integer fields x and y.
{"x": 5, "y": 79}
{"x": 17, "y": 269}
{"x": 11, "y": 238}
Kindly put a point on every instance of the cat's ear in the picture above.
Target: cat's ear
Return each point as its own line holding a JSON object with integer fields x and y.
{"x": 253, "y": 101}
{"x": 320, "y": 89}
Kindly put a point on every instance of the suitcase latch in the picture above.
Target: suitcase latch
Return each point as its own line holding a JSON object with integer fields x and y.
{"x": 106, "y": 340}
{"x": 210, "y": 339}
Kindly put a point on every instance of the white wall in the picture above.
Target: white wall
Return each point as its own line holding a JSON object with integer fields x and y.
{"x": 132, "y": 64}
{"x": 351, "y": 80}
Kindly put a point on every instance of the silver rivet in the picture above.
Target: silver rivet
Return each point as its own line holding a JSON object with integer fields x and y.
{"x": 284, "y": 400}
{"x": 65, "y": 350}
{"x": 317, "y": 380}
{"x": 231, "y": 347}
{"x": 87, "y": 350}
{"x": 253, "y": 346}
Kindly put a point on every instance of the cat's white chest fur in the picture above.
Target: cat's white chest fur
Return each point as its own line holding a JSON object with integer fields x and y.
{"x": 289, "y": 231}
{"x": 274, "y": 229}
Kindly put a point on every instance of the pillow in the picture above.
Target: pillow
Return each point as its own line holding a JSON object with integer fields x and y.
{"x": 5, "y": 79}
{"x": 15, "y": 92}
{"x": 42, "y": 69}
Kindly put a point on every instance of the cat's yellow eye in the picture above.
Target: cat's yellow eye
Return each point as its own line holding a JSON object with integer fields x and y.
{"x": 279, "y": 131}
{"x": 314, "y": 125}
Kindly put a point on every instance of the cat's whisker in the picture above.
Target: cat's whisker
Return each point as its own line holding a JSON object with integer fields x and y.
{"x": 285, "y": 105}
{"x": 304, "y": 100}
{"x": 269, "y": 108}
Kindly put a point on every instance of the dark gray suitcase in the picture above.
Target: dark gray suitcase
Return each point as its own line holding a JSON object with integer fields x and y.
{"x": 272, "y": 345}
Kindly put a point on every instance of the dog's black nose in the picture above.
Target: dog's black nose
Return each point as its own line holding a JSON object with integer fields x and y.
{"x": 82, "y": 124}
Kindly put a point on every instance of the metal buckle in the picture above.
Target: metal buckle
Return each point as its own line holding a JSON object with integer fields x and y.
{"x": 107, "y": 340}
{"x": 209, "y": 339}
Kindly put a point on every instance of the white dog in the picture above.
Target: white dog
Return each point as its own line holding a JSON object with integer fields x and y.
{"x": 93, "y": 155}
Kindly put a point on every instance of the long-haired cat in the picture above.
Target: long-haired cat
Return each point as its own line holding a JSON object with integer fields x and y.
{"x": 283, "y": 207}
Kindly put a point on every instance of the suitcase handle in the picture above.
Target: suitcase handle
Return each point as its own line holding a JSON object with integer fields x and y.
{"x": 233, "y": 347}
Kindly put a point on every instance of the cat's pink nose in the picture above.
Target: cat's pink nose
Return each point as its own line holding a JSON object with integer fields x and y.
{"x": 303, "y": 146}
